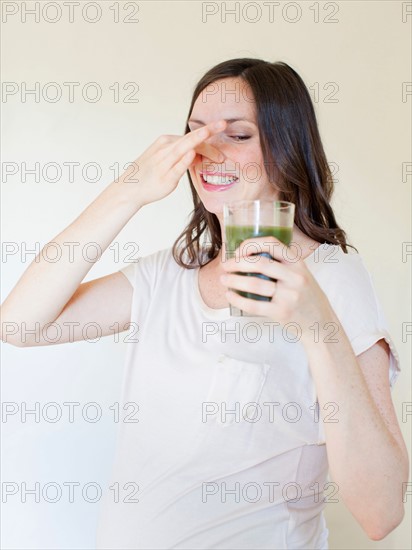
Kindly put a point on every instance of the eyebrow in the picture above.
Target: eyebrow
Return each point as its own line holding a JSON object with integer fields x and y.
{"x": 228, "y": 120}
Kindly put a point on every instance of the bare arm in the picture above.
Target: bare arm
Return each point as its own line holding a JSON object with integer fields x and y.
{"x": 45, "y": 288}
{"x": 98, "y": 308}
{"x": 48, "y": 292}
{"x": 366, "y": 452}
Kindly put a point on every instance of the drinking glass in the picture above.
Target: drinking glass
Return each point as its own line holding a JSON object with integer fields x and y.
{"x": 246, "y": 219}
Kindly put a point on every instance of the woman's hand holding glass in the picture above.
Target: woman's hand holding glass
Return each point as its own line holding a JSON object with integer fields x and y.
{"x": 296, "y": 295}
{"x": 156, "y": 173}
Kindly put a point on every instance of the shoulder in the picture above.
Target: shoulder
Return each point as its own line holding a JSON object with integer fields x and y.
{"x": 150, "y": 266}
{"x": 159, "y": 262}
{"x": 161, "y": 258}
{"x": 349, "y": 287}
{"x": 347, "y": 283}
{"x": 331, "y": 265}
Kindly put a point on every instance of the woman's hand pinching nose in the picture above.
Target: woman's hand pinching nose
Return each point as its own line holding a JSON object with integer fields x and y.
{"x": 206, "y": 149}
{"x": 210, "y": 152}
{"x": 212, "y": 128}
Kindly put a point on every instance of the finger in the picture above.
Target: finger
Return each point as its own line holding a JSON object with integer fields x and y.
{"x": 195, "y": 161}
{"x": 257, "y": 264}
{"x": 287, "y": 253}
{"x": 254, "y": 307}
{"x": 194, "y": 139}
{"x": 207, "y": 150}
{"x": 255, "y": 245}
{"x": 160, "y": 143}
{"x": 182, "y": 165}
{"x": 253, "y": 284}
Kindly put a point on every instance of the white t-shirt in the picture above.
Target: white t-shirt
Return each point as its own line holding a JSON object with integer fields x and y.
{"x": 228, "y": 451}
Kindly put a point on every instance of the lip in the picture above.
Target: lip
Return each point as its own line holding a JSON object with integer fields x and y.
{"x": 211, "y": 187}
{"x": 214, "y": 173}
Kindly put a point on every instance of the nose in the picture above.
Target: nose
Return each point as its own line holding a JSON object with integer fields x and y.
{"x": 210, "y": 151}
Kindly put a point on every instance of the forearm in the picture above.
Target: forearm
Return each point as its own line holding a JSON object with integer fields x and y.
{"x": 46, "y": 286}
{"x": 366, "y": 461}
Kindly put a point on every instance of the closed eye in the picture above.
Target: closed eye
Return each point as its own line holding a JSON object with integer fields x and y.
{"x": 240, "y": 138}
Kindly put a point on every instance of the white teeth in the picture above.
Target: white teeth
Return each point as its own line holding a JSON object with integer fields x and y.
{"x": 219, "y": 180}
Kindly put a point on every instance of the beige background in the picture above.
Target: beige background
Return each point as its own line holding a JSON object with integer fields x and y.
{"x": 366, "y": 132}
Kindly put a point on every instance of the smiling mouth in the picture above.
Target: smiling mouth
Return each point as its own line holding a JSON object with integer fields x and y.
{"x": 218, "y": 179}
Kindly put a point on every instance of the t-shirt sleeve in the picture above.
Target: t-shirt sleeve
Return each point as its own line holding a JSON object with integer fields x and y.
{"x": 350, "y": 290}
{"x": 129, "y": 272}
{"x": 144, "y": 269}
{"x": 144, "y": 274}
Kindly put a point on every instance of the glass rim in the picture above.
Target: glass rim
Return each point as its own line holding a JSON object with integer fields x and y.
{"x": 279, "y": 204}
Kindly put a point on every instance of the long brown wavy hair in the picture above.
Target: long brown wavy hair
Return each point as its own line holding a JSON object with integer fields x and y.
{"x": 291, "y": 146}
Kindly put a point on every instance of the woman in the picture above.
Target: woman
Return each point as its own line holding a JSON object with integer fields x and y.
{"x": 236, "y": 433}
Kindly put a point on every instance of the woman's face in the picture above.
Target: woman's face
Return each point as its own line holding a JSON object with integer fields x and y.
{"x": 241, "y": 175}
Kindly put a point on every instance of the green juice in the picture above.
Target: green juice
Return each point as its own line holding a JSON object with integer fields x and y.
{"x": 236, "y": 234}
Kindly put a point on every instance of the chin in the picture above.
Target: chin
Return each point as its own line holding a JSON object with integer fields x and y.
{"x": 213, "y": 206}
